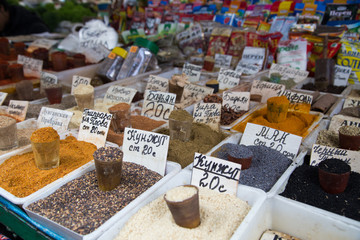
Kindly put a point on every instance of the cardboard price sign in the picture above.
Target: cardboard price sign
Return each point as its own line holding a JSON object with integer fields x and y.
{"x": 351, "y": 102}
{"x": 148, "y": 149}
{"x": 158, "y": 105}
{"x": 283, "y": 142}
{"x": 222, "y": 61}
{"x": 157, "y": 83}
{"x": 342, "y": 75}
{"x": 299, "y": 102}
{"x": 238, "y": 101}
{"x": 266, "y": 89}
{"x": 228, "y": 78}
{"x": 208, "y": 113}
{"x": 117, "y": 94}
{"x": 94, "y": 127}
{"x": 3, "y": 96}
{"x": 338, "y": 121}
{"x": 195, "y": 92}
{"x": 56, "y": 118}
{"x": 192, "y": 71}
{"x": 47, "y": 79}
{"x": 288, "y": 73}
{"x": 32, "y": 67}
{"x": 320, "y": 153}
{"x": 18, "y": 109}
{"x": 215, "y": 174}
{"x": 77, "y": 80}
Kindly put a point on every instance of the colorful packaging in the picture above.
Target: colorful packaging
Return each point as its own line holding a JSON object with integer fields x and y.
{"x": 292, "y": 53}
{"x": 219, "y": 41}
{"x": 349, "y": 56}
{"x": 340, "y": 13}
{"x": 191, "y": 40}
{"x": 152, "y": 21}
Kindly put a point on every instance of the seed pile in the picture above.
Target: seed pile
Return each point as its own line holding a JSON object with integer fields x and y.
{"x": 82, "y": 207}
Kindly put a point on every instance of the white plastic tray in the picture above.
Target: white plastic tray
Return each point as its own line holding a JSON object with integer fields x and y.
{"x": 254, "y": 197}
{"x": 299, "y": 220}
{"x": 171, "y": 170}
{"x": 311, "y": 138}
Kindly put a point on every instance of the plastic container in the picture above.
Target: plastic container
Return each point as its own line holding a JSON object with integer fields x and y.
{"x": 111, "y": 66}
{"x": 4, "y": 46}
{"x": 121, "y": 117}
{"x": 8, "y": 134}
{"x": 59, "y": 61}
{"x": 54, "y": 93}
{"x": 180, "y": 130}
{"x": 138, "y": 59}
{"x": 42, "y": 54}
{"x": 171, "y": 170}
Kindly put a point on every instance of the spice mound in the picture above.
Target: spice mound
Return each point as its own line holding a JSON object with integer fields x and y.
{"x": 21, "y": 177}
{"x": 43, "y": 135}
{"x": 6, "y": 121}
{"x": 154, "y": 221}
{"x": 350, "y": 130}
{"x": 82, "y": 207}
{"x": 180, "y": 115}
{"x": 305, "y": 180}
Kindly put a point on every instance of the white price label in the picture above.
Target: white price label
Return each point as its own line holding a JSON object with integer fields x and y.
{"x": 215, "y": 174}
{"x": 18, "y": 109}
{"x": 266, "y": 89}
{"x": 77, "y": 80}
{"x": 283, "y": 142}
{"x": 288, "y": 73}
{"x": 299, "y": 102}
{"x": 157, "y": 83}
{"x": 351, "y": 102}
{"x": 3, "y": 96}
{"x": 247, "y": 68}
{"x": 342, "y": 75}
{"x": 117, "y": 94}
{"x": 56, "y": 118}
{"x": 42, "y": 43}
{"x": 237, "y": 101}
{"x": 158, "y": 105}
{"x": 195, "y": 92}
{"x": 32, "y": 67}
{"x": 222, "y": 61}
{"x": 192, "y": 71}
{"x": 208, "y": 113}
{"x": 148, "y": 149}
{"x": 338, "y": 121}
{"x": 228, "y": 78}
{"x": 46, "y": 80}
{"x": 320, "y": 153}
{"x": 94, "y": 127}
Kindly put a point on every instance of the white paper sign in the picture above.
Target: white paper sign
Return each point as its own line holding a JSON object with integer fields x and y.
{"x": 283, "y": 142}
{"x": 228, "y": 78}
{"x": 274, "y": 235}
{"x": 158, "y": 105}
{"x": 247, "y": 68}
{"x": 351, "y": 102}
{"x": 18, "y": 109}
{"x": 46, "y": 80}
{"x": 253, "y": 55}
{"x": 208, "y": 113}
{"x": 338, "y": 121}
{"x": 32, "y": 67}
{"x": 157, "y": 83}
{"x": 288, "y": 73}
{"x": 237, "y": 101}
{"x": 94, "y": 127}
{"x": 56, "y": 118}
{"x": 222, "y": 61}
{"x": 42, "y": 43}
{"x": 296, "y": 100}
{"x": 342, "y": 75}
{"x": 148, "y": 149}
{"x": 193, "y": 91}
{"x": 3, "y": 96}
{"x": 266, "y": 89}
{"x": 215, "y": 174}
{"x": 77, "y": 80}
{"x": 320, "y": 153}
{"x": 192, "y": 71}
{"x": 117, "y": 94}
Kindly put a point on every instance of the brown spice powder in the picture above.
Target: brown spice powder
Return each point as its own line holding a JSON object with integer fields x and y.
{"x": 46, "y": 134}
{"x": 21, "y": 177}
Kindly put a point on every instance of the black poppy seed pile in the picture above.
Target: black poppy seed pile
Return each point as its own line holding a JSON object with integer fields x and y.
{"x": 108, "y": 154}
{"x": 266, "y": 168}
{"x": 236, "y": 150}
{"x": 82, "y": 207}
{"x": 334, "y": 165}
{"x": 304, "y": 186}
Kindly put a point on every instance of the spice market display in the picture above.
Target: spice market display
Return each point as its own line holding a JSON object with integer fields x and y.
{"x": 191, "y": 119}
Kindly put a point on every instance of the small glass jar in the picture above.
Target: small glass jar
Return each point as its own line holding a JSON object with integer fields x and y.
{"x": 42, "y": 54}
{"x": 140, "y": 55}
{"x": 16, "y": 72}
{"x": 59, "y": 61}
{"x": 78, "y": 60}
{"x": 111, "y": 66}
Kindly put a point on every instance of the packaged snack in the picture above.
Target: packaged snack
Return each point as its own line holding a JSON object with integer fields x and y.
{"x": 340, "y": 13}
{"x": 153, "y": 19}
{"x": 219, "y": 41}
{"x": 293, "y": 53}
{"x": 191, "y": 40}
{"x": 252, "y": 60}
{"x": 138, "y": 21}
{"x": 237, "y": 42}
{"x": 349, "y": 56}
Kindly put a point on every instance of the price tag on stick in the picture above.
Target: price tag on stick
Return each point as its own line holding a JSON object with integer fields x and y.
{"x": 222, "y": 61}
{"x": 148, "y": 149}
{"x": 3, "y": 96}
{"x": 77, "y": 80}
{"x": 192, "y": 71}
{"x": 18, "y": 109}
{"x": 228, "y": 78}
{"x": 342, "y": 75}
{"x": 157, "y": 83}
{"x": 94, "y": 127}
{"x": 237, "y": 101}
{"x": 117, "y": 94}
{"x": 56, "y": 118}
{"x": 208, "y": 113}
{"x": 266, "y": 89}
{"x": 283, "y": 142}
{"x": 193, "y": 92}
{"x": 158, "y": 105}
{"x": 215, "y": 174}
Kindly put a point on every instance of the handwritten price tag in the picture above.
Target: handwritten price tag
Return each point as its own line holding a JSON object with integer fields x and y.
{"x": 148, "y": 149}
{"x": 238, "y": 101}
{"x": 266, "y": 89}
{"x": 283, "y": 142}
{"x": 288, "y": 73}
{"x": 3, "y": 96}
{"x": 94, "y": 127}
{"x": 192, "y": 71}
{"x": 56, "y": 118}
{"x": 18, "y": 109}
{"x": 157, "y": 83}
{"x": 46, "y": 80}
{"x": 77, "y": 80}
{"x": 32, "y": 67}
{"x": 351, "y": 102}
{"x": 320, "y": 153}
{"x": 158, "y": 105}
{"x": 42, "y": 43}
{"x": 342, "y": 75}
{"x": 338, "y": 121}
{"x": 215, "y": 174}
{"x": 208, "y": 113}
{"x": 228, "y": 78}
{"x": 247, "y": 68}
{"x": 299, "y": 102}
{"x": 193, "y": 91}
{"x": 117, "y": 94}
{"x": 222, "y": 61}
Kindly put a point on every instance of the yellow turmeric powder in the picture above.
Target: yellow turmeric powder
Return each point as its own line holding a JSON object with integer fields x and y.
{"x": 277, "y": 108}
